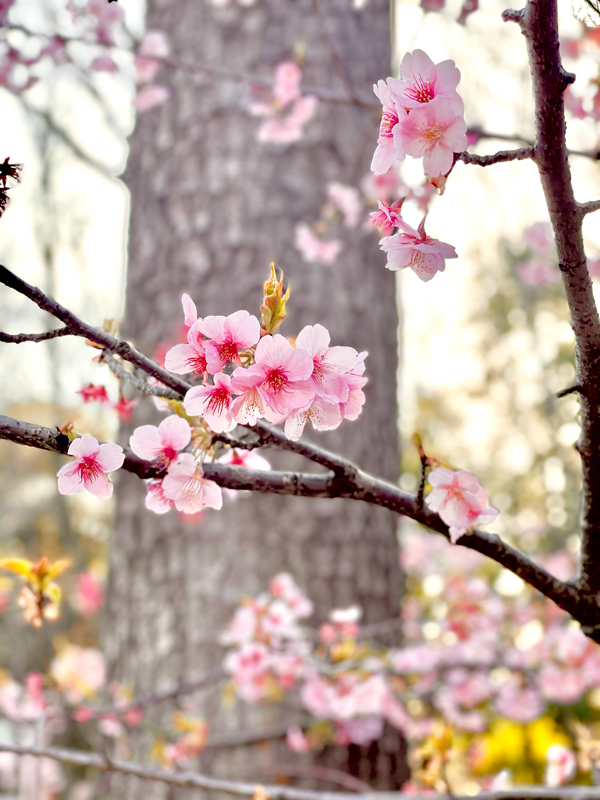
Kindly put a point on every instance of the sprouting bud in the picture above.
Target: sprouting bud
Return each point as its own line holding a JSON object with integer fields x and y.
{"x": 273, "y": 307}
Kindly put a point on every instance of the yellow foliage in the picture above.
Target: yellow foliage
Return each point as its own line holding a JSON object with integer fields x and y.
{"x": 40, "y": 598}
{"x": 273, "y": 307}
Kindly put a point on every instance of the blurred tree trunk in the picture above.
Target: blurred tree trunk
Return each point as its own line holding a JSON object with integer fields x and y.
{"x": 210, "y": 209}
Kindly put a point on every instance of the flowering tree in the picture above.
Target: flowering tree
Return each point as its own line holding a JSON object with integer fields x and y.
{"x": 247, "y": 379}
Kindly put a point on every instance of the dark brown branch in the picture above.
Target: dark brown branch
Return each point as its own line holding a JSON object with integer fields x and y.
{"x": 590, "y": 207}
{"x": 569, "y": 390}
{"x": 539, "y": 24}
{"x": 354, "y": 485}
{"x": 18, "y": 338}
{"x": 495, "y": 158}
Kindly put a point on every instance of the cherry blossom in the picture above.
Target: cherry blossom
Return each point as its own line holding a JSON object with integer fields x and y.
{"x": 434, "y": 132}
{"x": 561, "y": 765}
{"x": 213, "y": 403}
{"x": 538, "y": 272}
{"x": 88, "y": 471}
{"x": 79, "y": 672}
{"x": 287, "y": 110}
{"x": 185, "y": 486}
{"x": 330, "y": 364}
{"x": 280, "y": 375}
{"x": 539, "y": 238}
{"x": 89, "y": 595}
{"x": 190, "y": 314}
{"x": 242, "y": 458}
{"x": 324, "y": 416}
{"x": 163, "y": 442}
{"x": 347, "y": 200}
{"x": 297, "y": 741}
{"x": 459, "y": 500}
{"x": 124, "y": 408}
{"x": 151, "y": 96}
{"x": 155, "y": 498}
{"x": 389, "y": 143}
{"x": 92, "y": 392}
{"x": 421, "y": 81}
{"x": 323, "y": 251}
{"x": 191, "y": 357}
{"x": 226, "y": 337}
{"x": 414, "y": 249}
{"x": 387, "y": 218}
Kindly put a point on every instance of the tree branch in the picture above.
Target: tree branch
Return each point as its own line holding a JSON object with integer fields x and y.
{"x": 355, "y": 485}
{"x": 142, "y": 386}
{"x": 495, "y": 158}
{"x": 18, "y": 338}
{"x": 589, "y": 207}
{"x": 539, "y": 24}
{"x": 244, "y": 789}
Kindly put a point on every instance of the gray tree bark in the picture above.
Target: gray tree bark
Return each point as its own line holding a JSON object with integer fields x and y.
{"x": 210, "y": 208}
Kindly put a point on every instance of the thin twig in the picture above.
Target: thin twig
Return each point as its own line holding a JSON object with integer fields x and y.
{"x": 569, "y": 390}
{"x": 318, "y": 772}
{"x": 495, "y": 158}
{"x": 245, "y": 789}
{"x": 142, "y": 386}
{"x": 590, "y": 206}
{"x": 18, "y": 338}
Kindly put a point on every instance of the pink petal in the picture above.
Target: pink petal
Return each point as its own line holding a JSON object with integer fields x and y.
{"x": 69, "y": 481}
{"x": 175, "y": 432}
{"x": 84, "y": 447}
{"x": 99, "y": 486}
{"x": 146, "y": 442}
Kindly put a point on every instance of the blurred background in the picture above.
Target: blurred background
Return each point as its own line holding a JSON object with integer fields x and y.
{"x": 144, "y": 179}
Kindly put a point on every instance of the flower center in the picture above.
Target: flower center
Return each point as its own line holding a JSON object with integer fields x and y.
{"x": 88, "y": 469}
{"x": 276, "y": 380}
{"x": 197, "y": 363}
{"x": 227, "y": 350}
{"x": 219, "y": 401}
{"x": 388, "y": 121}
{"x": 193, "y": 485}
{"x": 433, "y": 134}
{"x": 421, "y": 91}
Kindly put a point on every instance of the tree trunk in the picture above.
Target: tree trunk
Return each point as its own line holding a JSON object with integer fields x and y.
{"x": 211, "y": 208}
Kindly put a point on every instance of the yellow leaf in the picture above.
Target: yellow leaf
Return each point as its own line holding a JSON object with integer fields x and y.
{"x": 55, "y": 569}
{"x": 17, "y": 565}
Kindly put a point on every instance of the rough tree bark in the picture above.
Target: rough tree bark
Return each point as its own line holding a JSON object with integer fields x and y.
{"x": 210, "y": 209}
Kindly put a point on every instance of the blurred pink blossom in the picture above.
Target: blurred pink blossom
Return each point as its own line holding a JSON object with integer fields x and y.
{"x": 324, "y": 251}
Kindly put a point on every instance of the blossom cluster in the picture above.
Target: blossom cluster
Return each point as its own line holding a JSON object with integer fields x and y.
{"x": 285, "y": 109}
{"x": 270, "y": 377}
{"x": 423, "y": 118}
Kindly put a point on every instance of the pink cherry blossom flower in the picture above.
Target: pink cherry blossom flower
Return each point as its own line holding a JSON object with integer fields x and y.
{"x": 286, "y": 88}
{"x": 561, "y": 765}
{"x": 226, "y": 337}
{"x": 185, "y": 486}
{"x": 88, "y": 471}
{"x": 155, "y": 498}
{"x": 387, "y": 218}
{"x": 297, "y": 741}
{"x": 104, "y": 63}
{"x": 421, "y": 81}
{"x": 389, "y": 143}
{"x": 124, "y": 408}
{"x": 151, "y": 96}
{"x": 242, "y": 627}
{"x": 323, "y": 415}
{"x": 347, "y": 200}
{"x": 242, "y": 458}
{"x": 155, "y": 44}
{"x": 283, "y": 585}
{"x": 190, "y": 314}
{"x": 91, "y": 392}
{"x": 459, "y": 500}
{"x": 79, "y": 672}
{"x": 281, "y": 376}
{"x": 89, "y": 595}
{"x": 538, "y": 272}
{"x": 213, "y": 403}
{"x": 191, "y": 357}
{"x": 323, "y": 251}
{"x": 163, "y": 442}
{"x": 330, "y": 364}
{"x": 413, "y": 248}
{"x": 594, "y": 267}
{"x": 434, "y": 132}
{"x": 539, "y": 238}
{"x": 351, "y": 408}
{"x": 383, "y": 186}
